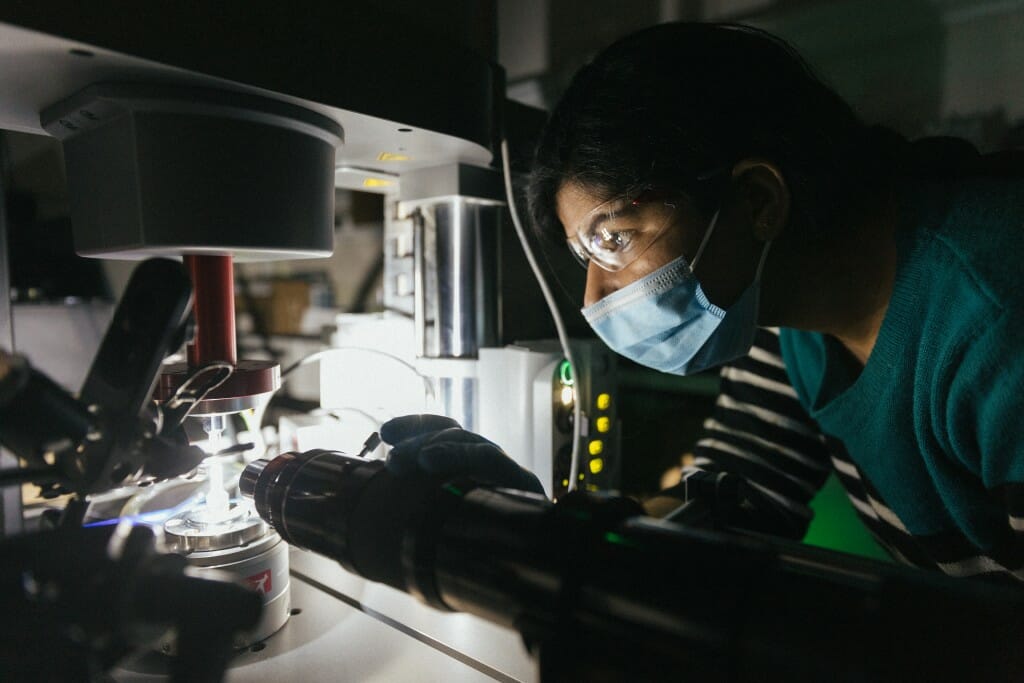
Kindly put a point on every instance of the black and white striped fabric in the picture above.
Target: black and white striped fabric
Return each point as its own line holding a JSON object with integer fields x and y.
{"x": 761, "y": 432}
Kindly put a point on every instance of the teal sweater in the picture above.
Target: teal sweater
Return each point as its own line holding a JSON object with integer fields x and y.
{"x": 935, "y": 420}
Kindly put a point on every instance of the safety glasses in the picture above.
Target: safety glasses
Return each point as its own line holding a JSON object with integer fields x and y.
{"x": 614, "y": 234}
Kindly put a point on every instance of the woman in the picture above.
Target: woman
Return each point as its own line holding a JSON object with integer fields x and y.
{"x": 713, "y": 187}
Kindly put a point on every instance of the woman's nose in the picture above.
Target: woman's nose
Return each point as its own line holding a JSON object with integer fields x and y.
{"x": 600, "y": 283}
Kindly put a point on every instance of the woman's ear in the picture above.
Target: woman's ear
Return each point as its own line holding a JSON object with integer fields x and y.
{"x": 763, "y": 192}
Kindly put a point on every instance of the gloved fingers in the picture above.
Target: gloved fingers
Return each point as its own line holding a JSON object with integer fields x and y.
{"x": 454, "y": 435}
{"x": 483, "y": 461}
{"x": 458, "y": 436}
{"x": 403, "y": 458}
{"x": 403, "y": 463}
{"x": 436, "y": 445}
{"x": 399, "y": 429}
{"x": 466, "y": 458}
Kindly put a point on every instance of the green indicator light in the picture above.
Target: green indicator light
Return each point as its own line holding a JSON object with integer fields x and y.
{"x": 565, "y": 373}
{"x": 618, "y": 539}
{"x": 452, "y": 489}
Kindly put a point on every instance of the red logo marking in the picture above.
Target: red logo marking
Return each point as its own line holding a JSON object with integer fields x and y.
{"x": 261, "y": 582}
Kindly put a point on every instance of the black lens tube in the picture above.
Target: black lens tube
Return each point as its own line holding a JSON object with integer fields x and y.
{"x": 341, "y": 506}
{"x": 598, "y": 590}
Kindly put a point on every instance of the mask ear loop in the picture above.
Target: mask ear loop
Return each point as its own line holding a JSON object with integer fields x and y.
{"x": 704, "y": 242}
{"x": 760, "y": 264}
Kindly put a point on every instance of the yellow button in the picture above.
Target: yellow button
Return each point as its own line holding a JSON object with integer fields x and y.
{"x": 604, "y": 401}
{"x": 596, "y": 447}
{"x": 603, "y": 424}
{"x": 596, "y": 465}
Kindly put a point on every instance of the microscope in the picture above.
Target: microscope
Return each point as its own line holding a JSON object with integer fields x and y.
{"x": 189, "y": 157}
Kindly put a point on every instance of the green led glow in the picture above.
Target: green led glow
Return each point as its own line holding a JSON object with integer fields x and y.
{"x": 565, "y": 373}
{"x": 618, "y": 539}
{"x": 455, "y": 490}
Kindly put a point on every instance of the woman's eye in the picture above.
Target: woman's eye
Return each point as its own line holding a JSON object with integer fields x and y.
{"x": 611, "y": 241}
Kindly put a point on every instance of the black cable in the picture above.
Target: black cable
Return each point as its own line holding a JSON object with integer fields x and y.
{"x": 367, "y": 285}
{"x": 27, "y": 475}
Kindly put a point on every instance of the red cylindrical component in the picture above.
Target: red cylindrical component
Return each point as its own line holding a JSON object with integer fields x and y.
{"x": 213, "y": 278}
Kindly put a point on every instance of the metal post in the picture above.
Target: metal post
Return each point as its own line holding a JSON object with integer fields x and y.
{"x": 10, "y": 497}
{"x": 455, "y": 295}
{"x": 454, "y": 303}
{"x": 456, "y": 279}
{"x": 214, "y": 309}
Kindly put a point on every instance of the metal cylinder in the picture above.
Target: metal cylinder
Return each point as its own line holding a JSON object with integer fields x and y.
{"x": 456, "y": 256}
{"x": 456, "y": 308}
{"x": 455, "y": 273}
{"x": 244, "y": 547}
{"x": 214, "y": 308}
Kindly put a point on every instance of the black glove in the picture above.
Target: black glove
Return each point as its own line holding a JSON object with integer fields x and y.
{"x": 437, "y": 445}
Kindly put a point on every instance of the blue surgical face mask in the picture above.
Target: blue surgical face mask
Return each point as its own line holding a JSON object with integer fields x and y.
{"x": 665, "y": 321}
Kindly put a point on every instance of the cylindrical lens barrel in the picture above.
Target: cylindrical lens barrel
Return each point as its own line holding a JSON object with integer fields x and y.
{"x": 590, "y": 578}
{"x": 250, "y": 477}
{"x": 341, "y": 506}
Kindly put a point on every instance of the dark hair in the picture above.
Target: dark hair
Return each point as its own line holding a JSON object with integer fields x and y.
{"x": 676, "y": 101}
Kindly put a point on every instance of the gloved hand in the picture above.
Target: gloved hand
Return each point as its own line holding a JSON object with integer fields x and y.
{"x": 438, "y": 445}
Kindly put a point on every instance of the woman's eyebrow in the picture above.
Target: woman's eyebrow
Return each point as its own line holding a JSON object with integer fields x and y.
{"x": 608, "y": 214}
{"x": 598, "y": 219}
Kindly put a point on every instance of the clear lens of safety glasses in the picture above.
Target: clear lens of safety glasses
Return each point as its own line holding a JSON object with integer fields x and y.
{"x": 616, "y": 233}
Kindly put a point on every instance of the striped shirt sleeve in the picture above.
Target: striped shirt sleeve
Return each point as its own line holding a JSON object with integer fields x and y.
{"x": 760, "y": 432}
